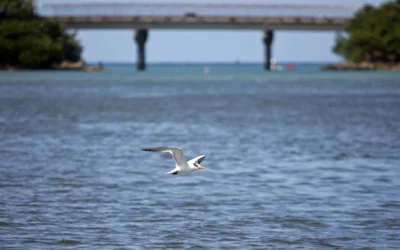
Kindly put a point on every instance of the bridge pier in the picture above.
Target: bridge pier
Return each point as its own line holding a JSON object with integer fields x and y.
{"x": 141, "y": 38}
{"x": 268, "y": 37}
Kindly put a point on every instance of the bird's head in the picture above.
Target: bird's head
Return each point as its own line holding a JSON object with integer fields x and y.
{"x": 198, "y": 166}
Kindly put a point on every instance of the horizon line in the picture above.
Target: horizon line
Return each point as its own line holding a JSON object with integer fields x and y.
{"x": 209, "y": 62}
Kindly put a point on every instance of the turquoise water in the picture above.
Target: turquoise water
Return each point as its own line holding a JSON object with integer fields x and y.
{"x": 294, "y": 159}
{"x": 222, "y": 72}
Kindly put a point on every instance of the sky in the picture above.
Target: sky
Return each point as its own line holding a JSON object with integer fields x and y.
{"x": 209, "y": 45}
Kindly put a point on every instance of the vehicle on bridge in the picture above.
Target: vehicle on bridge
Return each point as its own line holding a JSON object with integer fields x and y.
{"x": 190, "y": 14}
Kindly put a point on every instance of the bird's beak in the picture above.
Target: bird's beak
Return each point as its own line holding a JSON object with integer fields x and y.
{"x": 201, "y": 167}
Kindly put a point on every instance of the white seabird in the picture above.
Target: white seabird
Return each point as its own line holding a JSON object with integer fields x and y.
{"x": 182, "y": 166}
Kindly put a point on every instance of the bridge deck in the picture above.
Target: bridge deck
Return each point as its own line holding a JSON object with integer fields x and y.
{"x": 203, "y": 9}
{"x": 200, "y": 15}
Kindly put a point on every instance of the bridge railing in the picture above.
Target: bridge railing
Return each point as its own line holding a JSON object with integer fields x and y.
{"x": 196, "y": 9}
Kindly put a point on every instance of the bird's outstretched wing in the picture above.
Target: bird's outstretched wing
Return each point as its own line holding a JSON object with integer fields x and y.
{"x": 198, "y": 159}
{"x": 177, "y": 153}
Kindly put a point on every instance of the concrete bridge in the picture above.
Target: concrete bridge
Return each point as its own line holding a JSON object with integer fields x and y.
{"x": 144, "y": 16}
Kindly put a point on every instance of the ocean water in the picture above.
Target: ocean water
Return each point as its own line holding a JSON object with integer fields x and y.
{"x": 294, "y": 159}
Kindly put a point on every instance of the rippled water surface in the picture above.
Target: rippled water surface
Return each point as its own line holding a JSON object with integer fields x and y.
{"x": 294, "y": 160}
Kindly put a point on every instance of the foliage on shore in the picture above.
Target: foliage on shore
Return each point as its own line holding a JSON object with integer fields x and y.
{"x": 30, "y": 41}
{"x": 372, "y": 35}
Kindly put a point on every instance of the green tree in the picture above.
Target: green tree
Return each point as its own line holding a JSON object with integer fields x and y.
{"x": 29, "y": 41}
{"x": 72, "y": 48}
{"x": 372, "y": 34}
{"x": 18, "y": 9}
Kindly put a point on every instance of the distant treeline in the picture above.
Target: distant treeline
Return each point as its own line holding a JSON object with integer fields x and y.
{"x": 32, "y": 42}
{"x": 372, "y": 35}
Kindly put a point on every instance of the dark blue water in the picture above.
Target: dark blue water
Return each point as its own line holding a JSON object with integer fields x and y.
{"x": 295, "y": 160}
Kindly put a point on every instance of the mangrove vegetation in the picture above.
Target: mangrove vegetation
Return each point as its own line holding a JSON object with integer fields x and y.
{"x": 372, "y": 35}
{"x": 29, "y": 41}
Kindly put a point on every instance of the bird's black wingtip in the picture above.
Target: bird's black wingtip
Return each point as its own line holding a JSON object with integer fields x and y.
{"x": 148, "y": 149}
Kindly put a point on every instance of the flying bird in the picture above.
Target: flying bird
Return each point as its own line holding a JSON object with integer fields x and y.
{"x": 182, "y": 166}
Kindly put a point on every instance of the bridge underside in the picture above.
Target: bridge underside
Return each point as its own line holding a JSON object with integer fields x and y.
{"x": 179, "y": 22}
{"x": 143, "y": 23}
{"x": 141, "y": 35}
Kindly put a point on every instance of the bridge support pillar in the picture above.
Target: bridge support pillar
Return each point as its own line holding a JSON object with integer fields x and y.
{"x": 141, "y": 38}
{"x": 268, "y": 37}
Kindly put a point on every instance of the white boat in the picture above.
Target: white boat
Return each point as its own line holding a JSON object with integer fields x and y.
{"x": 275, "y": 66}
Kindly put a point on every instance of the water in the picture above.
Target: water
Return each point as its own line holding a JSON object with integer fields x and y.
{"x": 301, "y": 159}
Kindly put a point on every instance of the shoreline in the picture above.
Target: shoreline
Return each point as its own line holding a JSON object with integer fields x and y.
{"x": 82, "y": 66}
{"x": 63, "y": 66}
{"x": 363, "y": 66}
